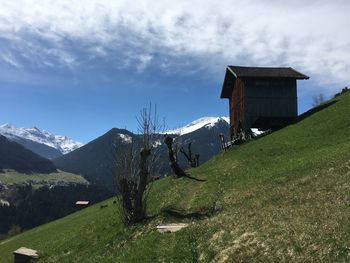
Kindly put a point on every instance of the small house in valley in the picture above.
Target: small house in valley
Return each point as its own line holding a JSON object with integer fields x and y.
{"x": 82, "y": 203}
{"x": 260, "y": 97}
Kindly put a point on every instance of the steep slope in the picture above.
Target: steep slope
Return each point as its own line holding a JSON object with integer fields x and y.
{"x": 41, "y": 149}
{"x": 281, "y": 198}
{"x": 40, "y": 141}
{"x": 16, "y": 157}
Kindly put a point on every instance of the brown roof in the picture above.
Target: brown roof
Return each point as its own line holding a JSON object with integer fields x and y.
{"x": 265, "y": 72}
{"x": 233, "y": 72}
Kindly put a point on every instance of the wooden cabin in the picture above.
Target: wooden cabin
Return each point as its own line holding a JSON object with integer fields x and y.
{"x": 260, "y": 97}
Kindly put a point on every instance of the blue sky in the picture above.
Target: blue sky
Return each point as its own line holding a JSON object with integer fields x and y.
{"x": 79, "y": 68}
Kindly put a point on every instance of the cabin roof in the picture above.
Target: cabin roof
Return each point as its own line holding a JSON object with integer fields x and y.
{"x": 233, "y": 72}
{"x": 265, "y": 72}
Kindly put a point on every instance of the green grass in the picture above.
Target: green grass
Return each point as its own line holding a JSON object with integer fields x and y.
{"x": 284, "y": 197}
{"x": 13, "y": 177}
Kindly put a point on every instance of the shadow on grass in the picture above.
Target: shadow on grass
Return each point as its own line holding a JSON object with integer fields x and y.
{"x": 194, "y": 178}
{"x": 170, "y": 212}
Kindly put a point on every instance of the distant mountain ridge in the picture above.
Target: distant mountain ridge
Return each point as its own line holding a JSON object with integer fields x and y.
{"x": 40, "y": 141}
{"x": 95, "y": 159}
{"x": 207, "y": 122}
{"x": 15, "y": 156}
{"x": 204, "y": 139}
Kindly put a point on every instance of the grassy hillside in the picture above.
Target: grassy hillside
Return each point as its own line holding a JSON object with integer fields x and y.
{"x": 281, "y": 198}
{"x": 37, "y": 179}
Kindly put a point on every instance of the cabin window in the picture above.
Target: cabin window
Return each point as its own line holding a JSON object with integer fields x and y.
{"x": 262, "y": 83}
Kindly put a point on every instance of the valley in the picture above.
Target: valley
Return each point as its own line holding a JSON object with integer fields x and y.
{"x": 85, "y": 169}
{"x": 12, "y": 177}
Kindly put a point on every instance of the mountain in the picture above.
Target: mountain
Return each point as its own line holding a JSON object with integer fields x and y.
{"x": 283, "y": 197}
{"x": 40, "y": 141}
{"x": 15, "y": 156}
{"x": 95, "y": 160}
{"x": 204, "y": 137}
{"x": 207, "y": 122}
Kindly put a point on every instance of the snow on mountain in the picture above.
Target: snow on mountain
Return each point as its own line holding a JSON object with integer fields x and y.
{"x": 125, "y": 138}
{"x": 208, "y": 122}
{"x": 59, "y": 142}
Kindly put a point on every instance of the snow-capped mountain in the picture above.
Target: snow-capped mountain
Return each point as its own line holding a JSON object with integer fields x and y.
{"x": 96, "y": 159}
{"x": 207, "y": 122}
{"x": 61, "y": 143}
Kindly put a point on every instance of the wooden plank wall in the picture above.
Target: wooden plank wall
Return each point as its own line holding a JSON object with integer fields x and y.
{"x": 270, "y": 98}
{"x": 237, "y": 106}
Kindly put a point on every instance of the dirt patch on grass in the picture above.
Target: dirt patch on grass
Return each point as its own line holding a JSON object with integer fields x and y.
{"x": 245, "y": 247}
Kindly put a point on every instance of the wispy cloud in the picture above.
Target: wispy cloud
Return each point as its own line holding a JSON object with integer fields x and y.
{"x": 11, "y": 60}
{"x": 174, "y": 35}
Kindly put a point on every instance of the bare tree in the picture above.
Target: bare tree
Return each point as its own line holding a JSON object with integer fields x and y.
{"x": 192, "y": 161}
{"x": 135, "y": 166}
{"x": 346, "y": 89}
{"x": 318, "y": 100}
{"x": 178, "y": 172}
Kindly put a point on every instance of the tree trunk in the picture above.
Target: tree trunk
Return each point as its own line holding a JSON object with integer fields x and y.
{"x": 178, "y": 172}
{"x": 143, "y": 177}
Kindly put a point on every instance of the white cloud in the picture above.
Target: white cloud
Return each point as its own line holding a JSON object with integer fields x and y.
{"x": 312, "y": 37}
{"x": 144, "y": 60}
{"x": 10, "y": 59}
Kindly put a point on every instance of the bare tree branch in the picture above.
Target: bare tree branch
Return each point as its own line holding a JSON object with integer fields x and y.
{"x": 136, "y": 165}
